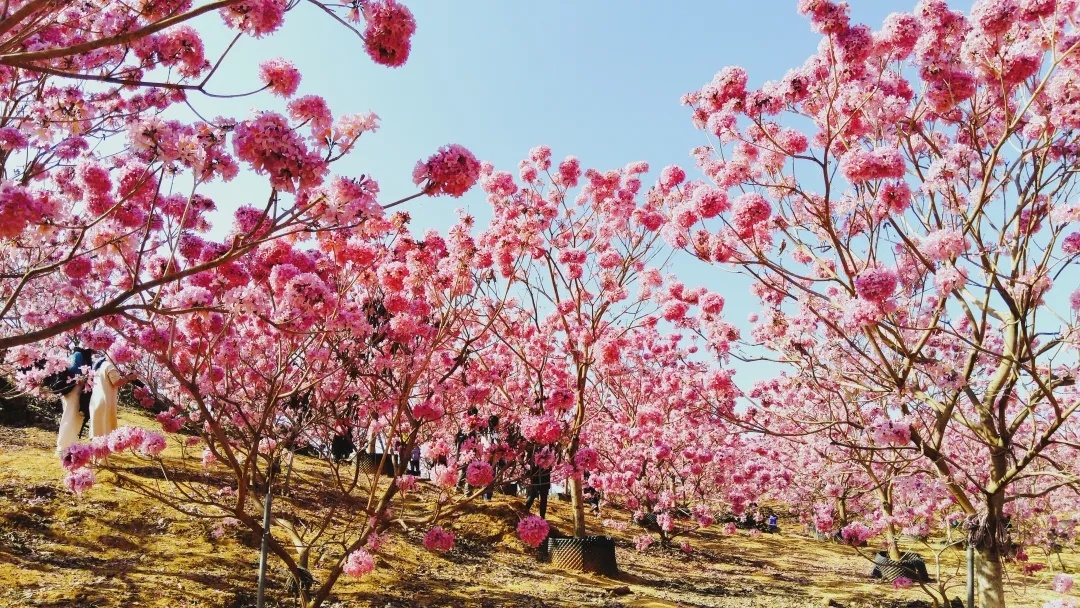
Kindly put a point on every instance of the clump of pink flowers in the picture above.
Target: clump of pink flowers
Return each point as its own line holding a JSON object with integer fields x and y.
{"x": 889, "y": 433}
{"x": 856, "y": 534}
{"x": 388, "y": 35}
{"x": 452, "y": 171}
{"x": 359, "y": 563}
{"x": 1062, "y": 583}
{"x": 643, "y": 541}
{"x": 438, "y": 540}
{"x": 280, "y": 76}
{"x": 79, "y": 480}
{"x": 876, "y": 284}
{"x": 479, "y": 474}
{"x": 532, "y": 530}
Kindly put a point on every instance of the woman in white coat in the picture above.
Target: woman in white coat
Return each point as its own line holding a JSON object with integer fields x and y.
{"x": 107, "y": 383}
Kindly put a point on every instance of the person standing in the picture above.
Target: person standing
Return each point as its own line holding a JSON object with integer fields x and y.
{"x": 75, "y": 401}
{"x": 107, "y": 383}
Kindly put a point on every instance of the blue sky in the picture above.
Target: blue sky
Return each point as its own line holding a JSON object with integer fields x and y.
{"x": 598, "y": 79}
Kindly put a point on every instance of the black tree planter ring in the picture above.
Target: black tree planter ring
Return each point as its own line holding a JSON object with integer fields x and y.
{"x": 910, "y": 566}
{"x": 588, "y": 554}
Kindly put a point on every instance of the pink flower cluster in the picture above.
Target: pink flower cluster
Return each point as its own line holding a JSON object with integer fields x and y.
{"x": 438, "y": 540}
{"x": 78, "y": 456}
{"x": 748, "y": 211}
{"x": 860, "y": 165}
{"x": 389, "y": 31}
{"x": 280, "y": 76}
{"x": 889, "y": 433}
{"x": 451, "y": 171}
{"x": 1062, "y": 583}
{"x": 79, "y": 481}
{"x": 271, "y": 146}
{"x": 479, "y": 474}
{"x": 359, "y": 563}
{"x": 544, "y": 430}
{"x": 855, "y": 534}
{"x": 532, "y": 530}
{"x": 876, "y": 284}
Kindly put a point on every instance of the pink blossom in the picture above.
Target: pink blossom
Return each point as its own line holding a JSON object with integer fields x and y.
{"x": 569, "y": 171}
{"x": 208, "y": 458}
{"x": 942, "y": 245}
{"x": 99, "y": 447}
{"x": 532, "y": 530}
{"x": 711, "y": 303}
{"x": 710, "y": 202}
{"x": 444, "y": 477}
{"x": 902, "y": 582}
{"x": 860, "y": 165}
{"x": 272, "y": 147}
{"x": 389, "y": 31}
{"x": 1062, "y": 583}
{"x": 438, "y": 540}
{"x": 479, "y": 474}
{"x": 453, "y": 170}
{"x": 152, "y": 444}
{"x": 748, "y": 211}
{"x": 876, "y": 284}
{"x": 889, "y": 433}
{"x": 541, "y": 155}
{"x": 257, "y": 18}
{"x": 428, "y": 410}
{"x": 856, "y": 534}
{"x": 359, "y": 563}
{"x": 125, "y": 437}
{"x": 671, "y": 176}
{"x": 406, "y": 483}
{"x": 76, "y": 456}
{"x": 1071, "y": 244}
{"x": 544, "y": 430}
{"x": 729, "y": 529}
{"x": 78, "y": 267}
{"x": 586, "y": 459}
{"x": 79, "y": 480}
{"x": 280, "y": 76}
{"x": 949, "y": 278}
{"x": 643, "y": 541}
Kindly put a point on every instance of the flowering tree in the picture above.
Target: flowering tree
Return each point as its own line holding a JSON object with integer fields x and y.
{"x": 902, "y": 204}
{"x": 664, "y": 450}
{"x": 585, "y": 272}
{"x": 293, "y": 349}
{"x": 103, "y": 200}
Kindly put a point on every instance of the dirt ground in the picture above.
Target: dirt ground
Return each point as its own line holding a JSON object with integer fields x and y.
{"x": 112, "y": 548}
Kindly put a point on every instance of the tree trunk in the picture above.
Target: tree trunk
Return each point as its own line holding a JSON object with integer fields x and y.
{"x": 577, "y": 501}
{"x": 989, "y": 587}
{"x": 890, "y": 542}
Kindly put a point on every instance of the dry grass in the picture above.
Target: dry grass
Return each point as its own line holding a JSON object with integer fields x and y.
{"x": 111, "y": 547}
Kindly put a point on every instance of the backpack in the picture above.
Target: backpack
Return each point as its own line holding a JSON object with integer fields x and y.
{"x": 62, "y": 382}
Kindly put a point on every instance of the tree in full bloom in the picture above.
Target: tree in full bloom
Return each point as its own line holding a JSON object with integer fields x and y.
{"x": 353, "y": 338}
{"x": 582, "y": 272}
{"x": 902, "y": 204}
{"x": 663, "y": 448}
